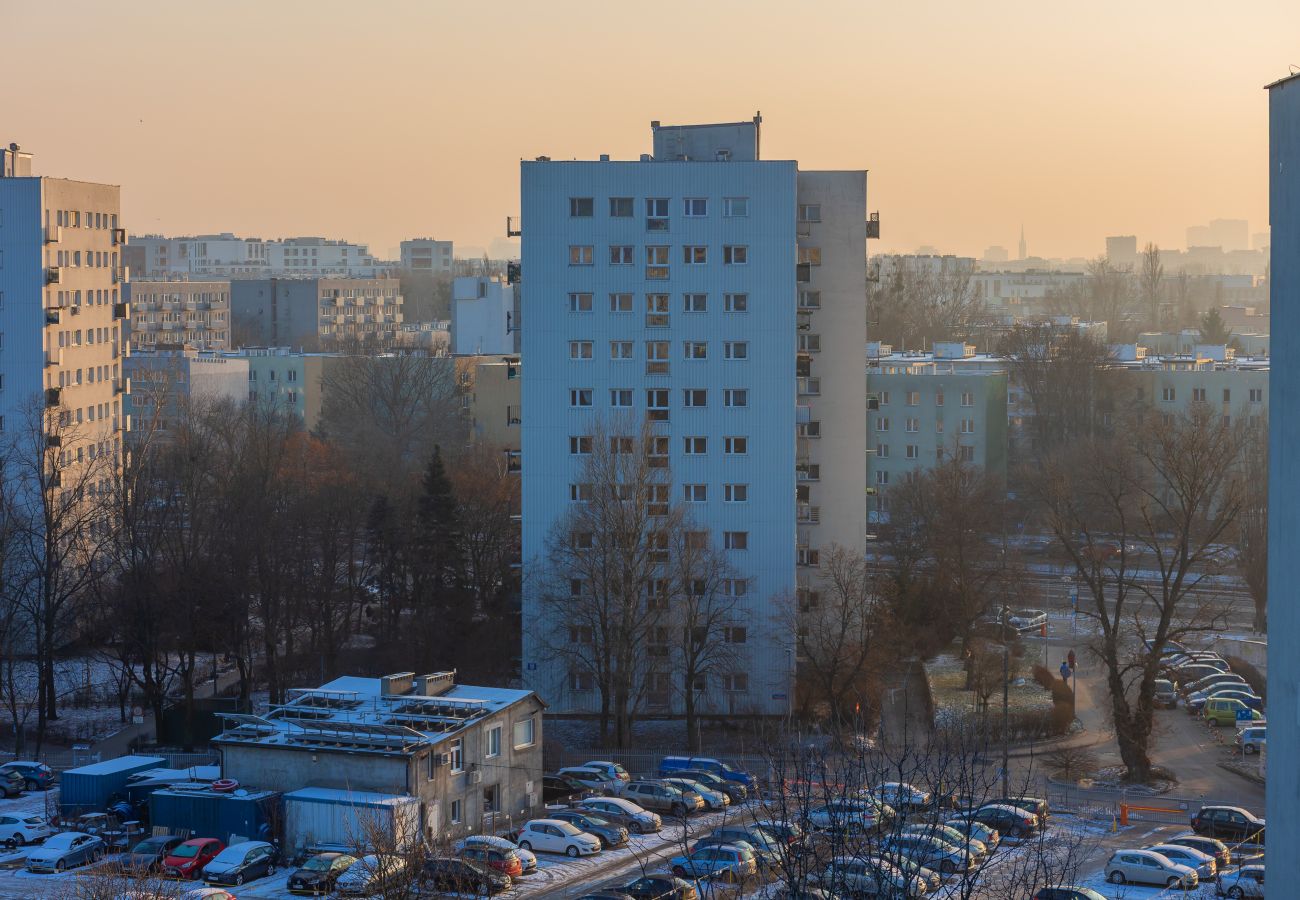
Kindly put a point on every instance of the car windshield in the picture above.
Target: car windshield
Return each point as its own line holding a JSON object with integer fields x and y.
{"x": 318, "y": 864}
{"x": 567, "y": 827}
{"x": 185, "y": 851}
{"x": 61, "y": 840}
{"x": 150, "y": 845}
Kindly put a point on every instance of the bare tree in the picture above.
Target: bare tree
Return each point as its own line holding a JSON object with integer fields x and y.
{"x": 1058, "y": 370}
{"x": 1152, "y": 284}
{"x": 1252, "y": 528}
{"x": 1110, "y": 296}
{"x": 916, "y": 305}
{"x": 1157, "y": 498}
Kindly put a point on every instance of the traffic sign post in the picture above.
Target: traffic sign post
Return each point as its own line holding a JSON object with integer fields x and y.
{"x": 1245, "y": 714}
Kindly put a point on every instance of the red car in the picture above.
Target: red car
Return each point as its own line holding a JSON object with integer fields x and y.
{"x": 188, "y": 860}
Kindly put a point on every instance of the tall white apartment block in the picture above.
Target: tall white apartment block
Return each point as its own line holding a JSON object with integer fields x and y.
{"x": 722, "y": 296}
{"x": 62, "y": 316}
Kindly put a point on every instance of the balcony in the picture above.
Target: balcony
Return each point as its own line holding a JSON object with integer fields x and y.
{"x": 514, "y": 273}
{"x": 53, "y": 275}
{"x": 119, "y": 237}
{"x": 806, "y": 471}
{"x": 54, "y": 234}
{"x": 52, "y": 396}
{"x": 803, "y": 272}
{"x": 809, "y": 387}
{"x": 514, "y": 461}
{"x": 873, "y": 226}
{"x": 656, "y": 320}
{"x": 808, "y": 515}
{"x": 514, "y": 226}
{"x": 53, "y": 316}
{"x": 121, "y": 310}
{"x": 803, "y": 365}
{"x": 119, "y": 275}
{"x": 170, "y": 326}
{"x": 121, "y": 385}
{"x": 657, "y": 415}
{"x": 53, "y": 358}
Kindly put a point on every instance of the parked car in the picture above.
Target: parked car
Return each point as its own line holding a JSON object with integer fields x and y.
{"x": 931, "y": 852}
{"x": 188, "y": 859}
{"x": 594, "y": 780}
{"x": 1165, "y": 695}
{"x": 926, "y": 876}
{"x": 1148, "y": 867}
{"x": 320, "y": 873}
{"x": 1229, "y": 823}
{"x": 462, "y": 876}
{"x": 1213, "y": 846}
{"x": 712, "y": 799}
{"x": 767, "y": 844}
{"x": 790, "y": 832}
{"x": 672, "y": 764}
{"x": 37, "y": 776}
{"x": 663, "y": 798}
{"x": 1036, "y": 805}
{"x": 901, "y": 796}
{"x": 764, "y": 860}
{"x": 637, "y": 819}
{"x": 1204, "y": 864}
{"x": 955, "y": 836}
{"x": 611, "y": 770}
{"x": 1067, "y": 892}
{"x": 1187, "y": 675}
{"x": 733, "y": 789}
{"x": 65, "y": 851}
{"x": 12, "y": 783}
{"x": 852, "y": 815}
{"x": 16, "y": 830}
{"x": 871, "y": 877}
{"x": 494, "y": 852}
{"x": 722, "y": 861}
{"x": 1196, "y": 702}
{"x": 1210, "y": 681}
{"x": 1027, "y": 619}
{"x": 985, "y": 834}
{"x": 1250, "y": 739}
{"x": 563, "y": 789}
{"x": 1008, "y": 820}
{"x": 611, "y": 834}
{"x": 241, "y": 862}
{"x": 370, "y": 873}
{"x": 1223, "y": 711}
{"x": 656, "y": 886}
{"x": 556, "y": 836}
{"x": 148, "y": 854}
{"x": 1248, "y": 881}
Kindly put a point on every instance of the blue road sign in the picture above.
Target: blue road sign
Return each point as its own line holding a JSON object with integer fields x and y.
{"x": 1244, "y": 715}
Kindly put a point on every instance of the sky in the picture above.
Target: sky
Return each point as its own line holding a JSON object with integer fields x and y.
{"x": 389, "y": 119}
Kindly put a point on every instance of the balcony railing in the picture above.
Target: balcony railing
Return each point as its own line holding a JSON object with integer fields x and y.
{"x": 53, "y": 275}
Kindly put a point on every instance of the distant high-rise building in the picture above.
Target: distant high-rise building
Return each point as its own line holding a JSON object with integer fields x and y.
{"x": 1283, "y": 795}
{"x": 1122, "y": 250}
{"x": 193, "y": 313}
{"x": 1226, "y": 234}
{"x": 996, "y": 254}
{"x": 1024, "y": 250}
{"x": 1260, "y": 240}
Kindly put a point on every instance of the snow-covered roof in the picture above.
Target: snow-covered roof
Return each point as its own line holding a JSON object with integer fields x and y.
{"x": 349, "y": 798}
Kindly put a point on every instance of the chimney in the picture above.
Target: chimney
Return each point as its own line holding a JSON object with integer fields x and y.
{"x": 436, "y": 684}
{"x": 396, "y": 684}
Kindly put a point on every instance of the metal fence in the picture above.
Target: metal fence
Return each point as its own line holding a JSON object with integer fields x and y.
{"x": 643, "y": 763}
{"x": 1137, "y": 806}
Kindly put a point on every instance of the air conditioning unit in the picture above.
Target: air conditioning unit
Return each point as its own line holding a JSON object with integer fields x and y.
{"x": 476, "y": 777}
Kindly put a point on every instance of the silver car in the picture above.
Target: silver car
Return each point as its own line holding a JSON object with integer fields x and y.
{"x": 1149, "y": 867}
{"x": 65, "y": 851}
{"x": 1204, "y": 864}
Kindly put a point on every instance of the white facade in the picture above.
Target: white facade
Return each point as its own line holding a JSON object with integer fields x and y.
{"x": 229, "y": 256}
{"x": 480, "y": 318}
{"x": 694, "y": 256}
{"x": 427, "y": 255}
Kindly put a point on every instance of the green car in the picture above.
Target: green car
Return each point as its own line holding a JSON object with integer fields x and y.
{"x": 1223, "y": 711}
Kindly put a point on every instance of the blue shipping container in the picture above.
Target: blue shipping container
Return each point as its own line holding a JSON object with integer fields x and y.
{"x": 213, "y": 815}
{"x": 88, "y": 788}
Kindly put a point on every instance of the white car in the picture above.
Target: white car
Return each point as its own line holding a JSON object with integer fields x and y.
{"x": 712, "y": 799}
{"x": 592, "y": 779}
{"x": 65, "y": 851}
{"x": 1248, "y": 881}
{"x": 17, "y": 830}
{"x": 555, "y": 836}
{"x": 900, "y": 795}
{"x": 367, "y": 875}
{"x": 1204, "y": 864}
{"x": 1148, "y": 867}
{"x": 623, "y": 811}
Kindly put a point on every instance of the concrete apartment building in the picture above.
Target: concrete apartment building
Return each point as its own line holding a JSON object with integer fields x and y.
{"x": 288, "y": 379}
{"x": 931, "y": 407}
{"x": 1283, "y": 796}
{"x": 62, "y": 315}
{"x": 481, "y": 315}
{"x": 1236, "y": 388}
{"x": 472, "y": 756}
{"x": 316, "y": 313}
{"x": 427, "y": 256}
{"x": 194, "y": 313}
{"x": 164, "y": 381}
{"x": 225, "y": 255}
{"x": 719, "y": 296}
{"x": 493, "y": 400}
{"x": 1013, "y": 296}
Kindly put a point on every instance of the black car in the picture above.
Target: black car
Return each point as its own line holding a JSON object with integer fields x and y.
{"x": 611, "y": 834}
{"x": 462, "y": 876}
{"x": 318, "y": 874}
{"x": 148, "y": 855}
{"x": 714, "y": 782}
{"x": 662, "y": 886}
{"x": 1035, "y": 805}
{"x": 562, "y": 789}
{"x": 1229, "y": 823}
{"x": 606, "y": 895}
{"x": 1006, "y": 821}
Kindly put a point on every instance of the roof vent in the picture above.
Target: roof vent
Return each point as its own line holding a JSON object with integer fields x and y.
{"x": 604, "y": 157}
{"x": 646, "y": 157}
{"x": 436, "y": 684}
{"x": 399, "y": 683}
{"x": 543, "y": 159}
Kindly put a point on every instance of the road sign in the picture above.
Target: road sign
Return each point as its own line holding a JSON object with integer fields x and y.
{"x": 1244, "y": 715}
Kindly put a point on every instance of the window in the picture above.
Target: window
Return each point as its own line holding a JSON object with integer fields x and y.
{"x": 620, "y": 444}
{"x": 913, "y": 398}
{"x": 938, "y": 397}
{"x": 579, "y": 349}
{"x": 966, "y": 454}
{"x": 735, "y": 493}
{"x": 620, "y": 303}
{"x": 657, "y": 451}
{"x": 695, "y": 493}
{"x": 938, "y": 426}
{"x": 967, "y": 398}
{"x": 1198, "y": 395}
{"x": 581, "y": 207}
{"x": 735, "y": 540}
{"x": 493, "y": 743}
{"x": 695, "y": 446}
{"x": 882, "y": 477}
{"x": 736, "y": 303}
{"x": 695, "y": 303}
{"x": 697, "y": 540}
{"x": 621, "y": 255}
{"x": 457, "y": 752}
{"x": 1167, "y": 394}
{"x": 620, "y": 349}
{"x": 580, "y": 445}
{"x": 735, "y": 446}
{"x": 580, "y": 303}
{"x": 811, "y": 256}
{"x": 695, "y": 350}
{"x": 695, "y": 255}
{"x": 580, "y": 397}
{"x": 656, "y": 214}
{"x": 735, "y": 682}
{"x": 967, "y": 426}
{"x": 620, "y": 207}
{"x": 913, "y": 425}
{"x": 882, "y": 423}
{"x": 810, "y": 212}
{"x": 695, "y": 397}
{"x": 620, "y": 398}
{"x": 884, "y": 398}
{"x": 656, "y": 310}
{"x": 581, "y": 681}
{"x": 525, "y": 733}
{"x": 735, "y": 207}
{"x": 882, "y": 451}
{"x": 913, "y": 451}
{"x": 810, "y": 343}
{"x": 581, "y": 255}
{"x": 656, "y": 402}
{"x": 735, "y": 587}
{"x": 810, "y": 299}
{"x": 734, "y": 634}
{"x": 735, "y": 397}
{"x": 1227, "y": 395}
{"x": 735, "y": 350}
{"x": 695, "y": 207}
{"x": 735, "y": 255}
{"x": 1256, "y": 395}
{"x": 455, "y": 811}
{"x": 656, "y": 261}
{"x": 580, "y": 493}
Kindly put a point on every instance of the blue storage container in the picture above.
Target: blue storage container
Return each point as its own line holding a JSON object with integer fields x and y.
{"x": 87, "y": 789}
{"x": 206, "y": 813}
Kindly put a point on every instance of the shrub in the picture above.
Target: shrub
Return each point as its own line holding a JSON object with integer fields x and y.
{"x": 1258, "y": 683}
{"x": 1044, "y": 677}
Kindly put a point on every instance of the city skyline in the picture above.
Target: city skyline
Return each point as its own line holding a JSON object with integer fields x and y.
{"x": 233, "y": 129}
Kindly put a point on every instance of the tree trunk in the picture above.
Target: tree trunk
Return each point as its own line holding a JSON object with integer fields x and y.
{"x": 688, "y": 708}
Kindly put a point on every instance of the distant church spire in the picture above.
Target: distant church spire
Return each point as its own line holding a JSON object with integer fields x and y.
{"x": 1023, "y": 254}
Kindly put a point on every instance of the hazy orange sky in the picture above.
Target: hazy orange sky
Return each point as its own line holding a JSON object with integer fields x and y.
{"x": 386, "y": 119}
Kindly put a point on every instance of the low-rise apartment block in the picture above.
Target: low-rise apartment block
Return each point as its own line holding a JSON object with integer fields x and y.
{"x": 492, "y": 399}
{"x": 316, "y": 313}
{"x": 226, "y": 255}
{"x": 427, "y": 256}
{"x": 164, "y": 381}
{"x": 194, "y": 313}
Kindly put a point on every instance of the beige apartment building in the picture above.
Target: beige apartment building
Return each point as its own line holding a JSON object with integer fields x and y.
{"x": 190, "y": 313}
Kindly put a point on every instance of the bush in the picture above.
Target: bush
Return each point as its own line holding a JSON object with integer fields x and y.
{"x": 1258, "y": 683}
{"x": 1044, "y": 677}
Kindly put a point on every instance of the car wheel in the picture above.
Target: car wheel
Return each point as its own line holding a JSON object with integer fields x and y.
{"x": 1116, "y": 877}
{"x": 571, "y": 851}
{"x": 1171, "y": 883}
{"x": 679, "y": 871}
{"x": 1214, "y": 723}
{"x": 1017, "y": 831}
{"x": 17, "y": 841}
{"x": 239, "y": 879}
{"x": 60, "y": 866}
{"x": 524, "y": 845}
{"x": 1247, "y": 749}
{"x": 1235, "y": 892}
{"x": 947, "y": 866}
{"x": 679, "y": 810}
{"x": 32, "y": 787}
{"x": 637, "y": 828}
{"x": 270, "y": 870}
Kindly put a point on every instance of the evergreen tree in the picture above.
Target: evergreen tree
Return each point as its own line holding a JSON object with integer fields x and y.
{"x": 1213, "y": 331}
{"x": 442, "y": 544}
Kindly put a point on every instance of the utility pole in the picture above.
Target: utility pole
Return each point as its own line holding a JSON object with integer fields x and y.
{"x": 1006, "y": 683}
